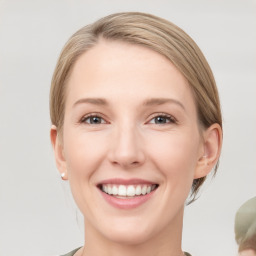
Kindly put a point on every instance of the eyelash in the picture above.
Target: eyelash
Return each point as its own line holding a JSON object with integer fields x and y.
{"x": 92, "y": 115}
{"x": 170, "y": 118}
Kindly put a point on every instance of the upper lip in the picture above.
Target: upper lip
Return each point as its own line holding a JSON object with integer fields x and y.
{"x": 121, "y": 181}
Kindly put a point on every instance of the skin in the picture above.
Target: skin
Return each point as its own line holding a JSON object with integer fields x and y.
{"x": 248, "y": 252}
{"x": 128, "y": 142}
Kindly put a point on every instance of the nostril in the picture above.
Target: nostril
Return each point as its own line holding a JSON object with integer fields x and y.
{"x": 126, "y": 152}
{"x": 125, "y": 163}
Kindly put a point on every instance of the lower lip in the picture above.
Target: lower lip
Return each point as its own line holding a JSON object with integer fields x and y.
{"x": 128, "y": 203}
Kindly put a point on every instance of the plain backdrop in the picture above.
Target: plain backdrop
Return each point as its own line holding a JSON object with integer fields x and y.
{"x": 37, "y": 215}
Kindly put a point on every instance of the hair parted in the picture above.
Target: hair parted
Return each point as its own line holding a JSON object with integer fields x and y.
{"x": 148, "y": 31}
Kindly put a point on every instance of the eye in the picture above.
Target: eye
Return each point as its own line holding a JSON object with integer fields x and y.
{"x": 162, "y": 119}
{"x": 93, "y": 119}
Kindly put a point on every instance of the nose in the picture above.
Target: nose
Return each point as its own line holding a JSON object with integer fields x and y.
{"x": 127, "y": 148}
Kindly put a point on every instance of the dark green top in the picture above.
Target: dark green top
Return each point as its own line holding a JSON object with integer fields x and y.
{"x": 74, "y": 251}
{"x": 71, "y": 253}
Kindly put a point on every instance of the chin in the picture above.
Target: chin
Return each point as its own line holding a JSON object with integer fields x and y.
{"x": 129, "y": 237}
{"x": 130, "y": 231}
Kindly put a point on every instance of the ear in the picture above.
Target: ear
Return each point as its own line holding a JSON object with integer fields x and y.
{"x": 212, "y": 142}
{"x": 58, "y": 152}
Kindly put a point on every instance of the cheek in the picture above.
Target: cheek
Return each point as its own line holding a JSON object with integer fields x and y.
{"x": 83, "y": 153}
{"x": 175, "y": 154}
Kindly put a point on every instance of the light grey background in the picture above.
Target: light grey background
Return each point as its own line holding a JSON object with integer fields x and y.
{"x": 37, "y": 216}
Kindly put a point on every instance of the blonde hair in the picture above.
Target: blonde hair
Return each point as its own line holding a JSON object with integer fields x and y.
{"x": 152, "y": 32}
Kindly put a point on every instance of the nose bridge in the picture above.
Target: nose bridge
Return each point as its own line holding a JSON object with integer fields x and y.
{"x": 127, "y": 144}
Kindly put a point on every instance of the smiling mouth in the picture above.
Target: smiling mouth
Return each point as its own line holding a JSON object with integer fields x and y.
{"x": 127, "y": 191}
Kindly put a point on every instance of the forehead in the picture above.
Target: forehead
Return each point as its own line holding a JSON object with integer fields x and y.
{"x": 117, "y": 69}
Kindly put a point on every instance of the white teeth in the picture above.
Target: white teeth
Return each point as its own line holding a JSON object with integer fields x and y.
{"x": 144, "y": 190}
{"x": 105, "y": 188}
{"x": 127, "y": 191}
{"x": 109, "y": 190}
{"x": 130, "y": 191}
{"x": 138, "y": 190}
{"x": 122, "y": 190}
{"x": 114, "y": 190}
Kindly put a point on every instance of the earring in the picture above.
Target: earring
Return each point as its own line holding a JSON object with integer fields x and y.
{"x": 63, "y": 175}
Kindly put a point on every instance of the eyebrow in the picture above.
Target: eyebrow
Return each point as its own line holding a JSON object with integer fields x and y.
{"x": 147, "y": 102}
{"x": 161, "y": 101}
{"x": 95, "y": 101}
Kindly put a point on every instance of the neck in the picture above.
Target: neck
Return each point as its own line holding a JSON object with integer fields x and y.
{"x": 167, "y": 242}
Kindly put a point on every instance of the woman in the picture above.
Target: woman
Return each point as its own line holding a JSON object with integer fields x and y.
{"x": 136, "y": 127}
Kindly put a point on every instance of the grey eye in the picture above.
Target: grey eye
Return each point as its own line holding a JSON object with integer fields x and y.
{"x": 161, "y": 120}
{"x": 94, "y": 120}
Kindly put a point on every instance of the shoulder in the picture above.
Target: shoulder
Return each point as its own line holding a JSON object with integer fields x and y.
{"x": 74, "y": 251}
{"x": 71, "y": 253}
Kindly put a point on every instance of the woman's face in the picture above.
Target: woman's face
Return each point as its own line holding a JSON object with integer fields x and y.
{"x": 131, "y": 145}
